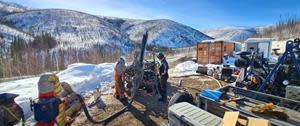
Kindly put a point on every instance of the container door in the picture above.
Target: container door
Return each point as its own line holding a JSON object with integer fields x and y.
{"x": 202, "y": 53}
{"x": 264, "y": 48}
{"x": 253, "y": 46}
{"x": 215, "y": 53}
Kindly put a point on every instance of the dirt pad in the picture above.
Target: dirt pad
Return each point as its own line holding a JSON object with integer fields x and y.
{"x": 194, "y": 83}
{"x": 145, "y": 110}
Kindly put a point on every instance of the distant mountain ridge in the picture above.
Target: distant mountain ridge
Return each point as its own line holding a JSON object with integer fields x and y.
{"x": 231, "y": 33}
{"x": 8, "y": 8}
{"x": 81, "y": 30}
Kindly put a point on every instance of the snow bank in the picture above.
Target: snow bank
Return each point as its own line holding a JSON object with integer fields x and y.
{"x": 82, "y": 77}
{"x": 184, "y": 69}
{"x": 86, "y": 77}
{"x": 212, "y": 66}
{"x": 189, "y": 68}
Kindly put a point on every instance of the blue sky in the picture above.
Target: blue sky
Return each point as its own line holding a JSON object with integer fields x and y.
{"x": 199, "y": 14}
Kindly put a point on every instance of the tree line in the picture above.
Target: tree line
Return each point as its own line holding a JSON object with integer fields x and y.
{"x": 287, "y": 27}
{"x": 19, "y": 58}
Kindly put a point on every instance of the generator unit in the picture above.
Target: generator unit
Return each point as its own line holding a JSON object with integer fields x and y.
{"x": 259, "y": 45}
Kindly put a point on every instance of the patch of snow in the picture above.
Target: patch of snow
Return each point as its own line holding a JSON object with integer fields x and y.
{"x": 82, "y": 77}
{"x": 189, "y": 68}
{"x": 212, "y": 66}
{"x": 86, "y": 77}
{"x": 186, "y": 68}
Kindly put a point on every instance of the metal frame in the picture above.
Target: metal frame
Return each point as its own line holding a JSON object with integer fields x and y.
{"x": 206, "y": 103}
{"x": 290, "y": 45}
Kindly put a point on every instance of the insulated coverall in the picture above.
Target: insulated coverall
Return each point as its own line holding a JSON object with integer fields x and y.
{"x": 119, "y": 70}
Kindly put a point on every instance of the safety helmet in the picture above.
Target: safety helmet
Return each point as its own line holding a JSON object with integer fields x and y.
{"x": 121, "y": 60}
{"x": 160, "y": 55}
{"x": 47, "y": 82}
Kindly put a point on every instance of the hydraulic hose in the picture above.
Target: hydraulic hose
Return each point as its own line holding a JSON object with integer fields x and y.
{"x": 138, "y": 65}
{"x": 90, "y": 118}
{"x": 114, "y": 115}
{"x": 69, "y": 90}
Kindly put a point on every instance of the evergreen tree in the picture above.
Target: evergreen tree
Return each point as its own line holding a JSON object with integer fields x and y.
{"x": 43, "y": 42}
{"x": 17, "y": 47}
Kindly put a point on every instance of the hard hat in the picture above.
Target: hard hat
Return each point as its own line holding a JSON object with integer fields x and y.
{"x": 160, "y": 55}
{"x": 46, "y": 83}
{"x": 121, "y": 60}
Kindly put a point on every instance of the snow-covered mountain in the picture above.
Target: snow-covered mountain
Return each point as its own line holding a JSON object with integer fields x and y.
{"x": 81, "y": 30}
{"x": 231, "y": 33}
{"x": 8, "y": 8}
{"x": 163, "y": 32}
{"x": 75, "y": 29}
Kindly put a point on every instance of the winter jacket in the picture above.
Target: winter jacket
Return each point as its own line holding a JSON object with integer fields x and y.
{"x": 163, "y": 69}
{"x": 119, "y": 70}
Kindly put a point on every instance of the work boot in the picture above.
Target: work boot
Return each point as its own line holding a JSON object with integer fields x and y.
{"x": 123, "y": 100}
{"x": 122, "y": 97}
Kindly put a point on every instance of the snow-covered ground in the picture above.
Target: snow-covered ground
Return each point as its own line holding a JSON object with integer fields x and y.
{"x": 83, "y": 78}
{"x": 189, "y": 68}
{"x": 184, "y": 69}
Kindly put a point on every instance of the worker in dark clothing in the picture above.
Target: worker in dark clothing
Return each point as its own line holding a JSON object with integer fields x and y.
{"x": 163, "y": 72}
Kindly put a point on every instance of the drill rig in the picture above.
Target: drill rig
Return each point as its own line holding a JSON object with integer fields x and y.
{"x": 272, "y": 79}
{"x": 59, "y": 104}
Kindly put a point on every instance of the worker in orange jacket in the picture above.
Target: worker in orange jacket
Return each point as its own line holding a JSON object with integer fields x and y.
{"x": 119, "y": 71}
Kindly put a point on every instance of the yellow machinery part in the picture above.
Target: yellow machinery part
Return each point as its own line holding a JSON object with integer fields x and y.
{"x": 254, "y": 80}
{"x": 60, "y": 119}
{"x": 73, "y": 109}
{"x": 64, "y": 112}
